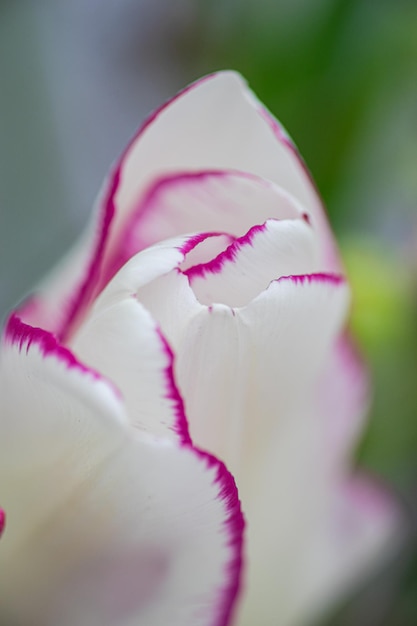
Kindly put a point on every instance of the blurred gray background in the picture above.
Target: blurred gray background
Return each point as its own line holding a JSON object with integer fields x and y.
{"x": 76, "y": 79}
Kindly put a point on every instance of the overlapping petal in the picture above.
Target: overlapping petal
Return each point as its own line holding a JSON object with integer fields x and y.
{"x": 222, "y": 350}
{"x": 271, "y": 389}
{"x": 124, "y": 341}
{"x": 201, "y": 201}
{"x": 217, "y": 123}
{"x": 105, "y": 524}
{"x": 247, "y": 266}
{"x": 113, "y": 515}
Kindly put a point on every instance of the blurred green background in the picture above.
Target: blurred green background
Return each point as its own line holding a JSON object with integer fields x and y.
{"x": 77, "y": 78}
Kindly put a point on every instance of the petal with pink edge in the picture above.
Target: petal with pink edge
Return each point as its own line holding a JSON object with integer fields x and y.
{"x": 201, "y": 201}
{"x": 240, "y": 370}
{"x": 124, "y": 343}
{"x": 104, "y": 524}
{"x": 217, "y": 123}
{"x": 248, "y": 265}
{"x": 287, "y": 437}
{"x": 221, "y": 350}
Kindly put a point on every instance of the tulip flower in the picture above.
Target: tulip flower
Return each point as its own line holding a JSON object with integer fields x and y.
{"x": 180, "y": 400}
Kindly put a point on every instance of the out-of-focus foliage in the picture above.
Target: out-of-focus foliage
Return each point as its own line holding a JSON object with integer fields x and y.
{"x": 342, "y": 76}
{"x": 384, "y": 322}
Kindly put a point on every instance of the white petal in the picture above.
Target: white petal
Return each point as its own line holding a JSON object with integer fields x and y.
{"x": 155, "y": 540}
{"x": 215, "y": 124}
{"x": 343, "y": 399}
{"x": 361, "y": 528}
{"x": 121, "y": 340}
{"x": 334, "y": 527}
{"x": 266, "y": 389}
{"x": 146, "y": 266}
{"x": 104, "y": 526}
{"x": 241, "y": 370}
{"x": 228, "y": 201}
{"x": 247, "y": 266}
{"x": 50, "y": 437}
{"x": 124, "y": 343}
{"x": 164, "y": 539}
